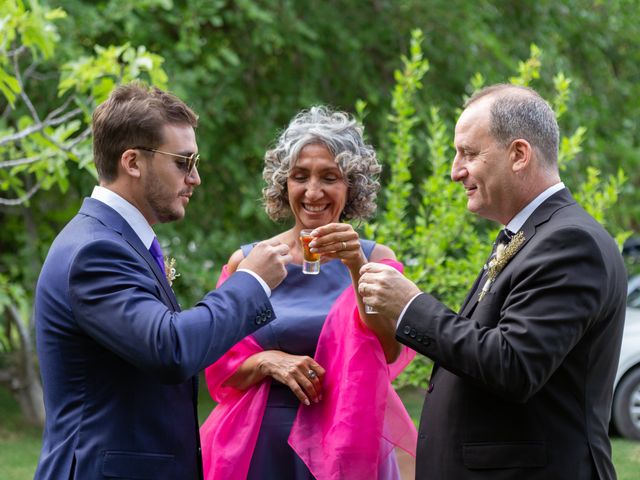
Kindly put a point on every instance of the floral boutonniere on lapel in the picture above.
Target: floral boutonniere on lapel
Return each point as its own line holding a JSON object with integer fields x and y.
{"x": 504, "y": 253}
{"x": 170, "y": 269}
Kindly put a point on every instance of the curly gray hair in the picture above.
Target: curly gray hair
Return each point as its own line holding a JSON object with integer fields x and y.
{"x": 342, "y": 135}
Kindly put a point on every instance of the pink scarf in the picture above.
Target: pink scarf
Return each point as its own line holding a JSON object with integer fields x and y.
{"x": 358, "y": 423}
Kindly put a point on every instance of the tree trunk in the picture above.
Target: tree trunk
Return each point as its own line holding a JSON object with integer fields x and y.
{"x": 22, "y": 377}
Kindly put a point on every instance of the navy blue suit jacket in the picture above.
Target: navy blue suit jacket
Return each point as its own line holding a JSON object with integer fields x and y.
{"x": 118, "y": 358}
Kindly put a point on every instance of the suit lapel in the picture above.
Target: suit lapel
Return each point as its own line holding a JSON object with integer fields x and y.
{"x": 540, "y": 215}
{"x": 130, "y": 236}
{"x": 112, "y": 219}
{"x": 472, "y": 292}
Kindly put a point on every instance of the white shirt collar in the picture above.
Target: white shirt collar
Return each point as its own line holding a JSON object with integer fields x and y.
{"x": 516, "y": 222}
{"x": 131, "y": 214}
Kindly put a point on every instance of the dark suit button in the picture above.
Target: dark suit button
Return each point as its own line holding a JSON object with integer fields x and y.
{"x": 430, "y": 389}
{"x": 422, "y": 436}
{"x": 426, "y": 341}
{"x": 406, "y": 329}
{"x": 419, "y": 338}
{"x": 268, "y": 313}
{"x": 413, "y": 333}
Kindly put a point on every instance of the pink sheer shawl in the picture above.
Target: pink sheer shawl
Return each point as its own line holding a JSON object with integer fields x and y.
{"x": 337, "y": 438}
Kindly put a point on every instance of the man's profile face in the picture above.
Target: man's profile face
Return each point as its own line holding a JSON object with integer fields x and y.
{"x": 482, "y": 165}
{"x": 167, "y": 188}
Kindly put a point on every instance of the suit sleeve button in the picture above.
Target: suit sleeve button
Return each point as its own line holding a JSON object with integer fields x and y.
{"x": 406, "y": 329}
{"x": 413, "y": 333}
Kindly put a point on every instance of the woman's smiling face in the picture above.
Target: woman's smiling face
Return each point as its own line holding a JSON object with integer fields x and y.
{"x": 316, "y": 187}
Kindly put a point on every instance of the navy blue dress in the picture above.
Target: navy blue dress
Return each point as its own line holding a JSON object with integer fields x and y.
{"x": 301, "y": 303}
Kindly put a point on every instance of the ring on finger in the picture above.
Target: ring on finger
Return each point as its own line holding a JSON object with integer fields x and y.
{"x": 311, "y": 374}
{"x": 344, "y": 245}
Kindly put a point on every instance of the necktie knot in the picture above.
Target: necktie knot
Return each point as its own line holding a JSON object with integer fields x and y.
{"x": 156, "y": 252}
{"x": 504, "y": 236}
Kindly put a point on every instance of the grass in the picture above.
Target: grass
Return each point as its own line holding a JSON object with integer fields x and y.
{"x": 626, "y": 458}
{"x": 20, "y": 443}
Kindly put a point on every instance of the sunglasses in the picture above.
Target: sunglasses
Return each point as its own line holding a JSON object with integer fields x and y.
{"x": 187, "y": 163}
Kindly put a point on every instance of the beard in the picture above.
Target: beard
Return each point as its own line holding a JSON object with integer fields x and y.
{"x": 160, "y": 200}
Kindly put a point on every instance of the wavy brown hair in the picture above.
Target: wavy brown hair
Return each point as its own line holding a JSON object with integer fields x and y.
{"x": 133, "y": 115}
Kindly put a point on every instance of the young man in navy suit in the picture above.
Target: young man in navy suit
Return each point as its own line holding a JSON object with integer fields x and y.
{"x": 118, "y": 357}
{"x": 523, "y": 373}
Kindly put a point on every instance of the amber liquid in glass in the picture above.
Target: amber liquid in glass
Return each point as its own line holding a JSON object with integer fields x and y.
{"x": 309, "y": 256}
{"x": 311, "y": 263}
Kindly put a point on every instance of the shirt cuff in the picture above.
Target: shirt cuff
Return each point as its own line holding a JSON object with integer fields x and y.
{"x": 263, "y": 284}
{"x": 405, "y": 308}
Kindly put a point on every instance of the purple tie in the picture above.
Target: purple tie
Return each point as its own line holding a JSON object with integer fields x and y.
{"x": 156, "y": 253}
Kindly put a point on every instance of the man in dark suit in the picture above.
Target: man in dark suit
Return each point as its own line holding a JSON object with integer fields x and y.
{"x": 522, "y": 382}
{"x": 118, "y": 357}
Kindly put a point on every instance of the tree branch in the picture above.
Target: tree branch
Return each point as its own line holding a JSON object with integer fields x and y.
{"x": 61, "y": 108}
{"x": 22, "y": 199}
{"x": 23, "y": 95}
{"x": 17, "y": 51}
{"x": 19, "y": 161}
{"x": 39, "y": 126}
{"x": 81, "y": 137}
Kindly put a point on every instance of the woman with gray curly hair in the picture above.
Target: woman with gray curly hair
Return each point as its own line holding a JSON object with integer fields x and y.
{"x": 342, "y": 137}
{"x": 320, "y": 173}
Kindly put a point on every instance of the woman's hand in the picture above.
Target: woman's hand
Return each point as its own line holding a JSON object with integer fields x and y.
{"x": 339, "y": 240}
{"x": 302, "y": 374}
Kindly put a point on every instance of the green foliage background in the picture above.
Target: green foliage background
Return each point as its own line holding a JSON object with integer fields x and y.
{"x": 247, "y": 66}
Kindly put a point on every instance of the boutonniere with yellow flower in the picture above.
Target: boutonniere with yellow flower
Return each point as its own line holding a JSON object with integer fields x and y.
{"x": 504, "y": 253}
{"x": 170, "y": 269}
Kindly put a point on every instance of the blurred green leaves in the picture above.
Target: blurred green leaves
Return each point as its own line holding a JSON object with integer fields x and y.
{"x": 426, "y": 222}
{"x": 246, "y": 67}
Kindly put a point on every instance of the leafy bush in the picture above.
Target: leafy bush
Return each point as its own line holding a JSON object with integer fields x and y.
{"x": 428, "y": 226}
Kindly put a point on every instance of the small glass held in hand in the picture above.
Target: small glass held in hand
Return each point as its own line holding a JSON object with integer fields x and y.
{"x": 369, "y": 310}
{"x": 311, "y": 261}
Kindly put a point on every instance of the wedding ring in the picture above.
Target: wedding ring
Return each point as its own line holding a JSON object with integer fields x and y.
{"x": 311, "y": 374}
{"x": 344, "y": 245}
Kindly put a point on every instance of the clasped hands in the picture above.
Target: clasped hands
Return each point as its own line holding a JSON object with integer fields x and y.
{"x": 302, "y": 374}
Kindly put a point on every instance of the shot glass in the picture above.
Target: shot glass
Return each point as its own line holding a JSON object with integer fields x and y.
{"x": 311, "y": 261}
{"x": 368, "y": 309}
